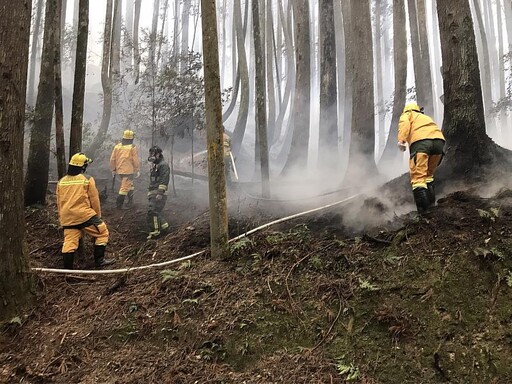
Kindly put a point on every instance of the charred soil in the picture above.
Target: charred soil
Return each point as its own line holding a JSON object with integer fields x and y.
{"x": 322, "y": 298}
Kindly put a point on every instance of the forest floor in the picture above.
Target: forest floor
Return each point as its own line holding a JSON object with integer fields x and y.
{"x": 359, "y": 292}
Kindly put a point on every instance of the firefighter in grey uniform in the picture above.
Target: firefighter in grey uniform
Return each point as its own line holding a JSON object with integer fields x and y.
{"x": 158, "y": 184}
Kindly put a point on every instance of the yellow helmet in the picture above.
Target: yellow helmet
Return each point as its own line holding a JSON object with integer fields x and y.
{"x": 79, "y": 160}
{"x": 412, "y": 107}
{"x": 128, "y": 134}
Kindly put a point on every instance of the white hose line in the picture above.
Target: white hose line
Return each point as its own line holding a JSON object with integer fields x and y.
{"x": 166, "y": 263}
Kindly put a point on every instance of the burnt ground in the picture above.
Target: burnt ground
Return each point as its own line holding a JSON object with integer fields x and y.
{"x": 322, "y": 298}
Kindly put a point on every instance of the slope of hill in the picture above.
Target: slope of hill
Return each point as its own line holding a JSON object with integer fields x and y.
{"x": 311, "y": 300}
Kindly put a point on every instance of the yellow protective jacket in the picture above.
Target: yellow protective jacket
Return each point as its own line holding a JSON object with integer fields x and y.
{"x": 77, "y": 200}
{"x": 414, "y": 126}
{"x": 125, "y": 159}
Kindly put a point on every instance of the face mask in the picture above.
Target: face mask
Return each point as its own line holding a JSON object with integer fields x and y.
{"x": 151, "y": 159}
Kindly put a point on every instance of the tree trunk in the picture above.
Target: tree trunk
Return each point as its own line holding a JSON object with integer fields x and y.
{"x": 426, "y": 77}
{"x": 243, "y": 111}
{"x": 379, "y": 97}
{"x": 469, "y": 150}
{"x": 486, "y": 65}
{"x": 34, "y": 49}
{"x": 261, "y": 109}
{"x": 136, "y": 50}
{"x": 361, "y": 162}
{"x": 328, "y": 156}
{"x": 106, "y": 82}
{"x": 59, "y": 113}
{"x": 237, "y": 77}
{"x": 36, "y": 180}
{"x": 15, "y": 280}
{"x": 77, "y": 107}
{"x": 349, "y": 76}
{"x": 270, "y": 53}
{"x": 185, "y": 16}
{"x": 391, "y": 157}
{"x": 298, "y": 156}
{"x": 216, "y": 178}
{"x": 116, "y": 39}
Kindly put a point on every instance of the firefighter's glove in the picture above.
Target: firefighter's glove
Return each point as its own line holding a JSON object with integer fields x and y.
{"x": 158, "y": 197}
{"x": 402, "y": 146}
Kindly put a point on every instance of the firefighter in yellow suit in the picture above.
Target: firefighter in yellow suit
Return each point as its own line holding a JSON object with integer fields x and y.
{"x": 125, "y": 162}
{"x": 78, "y": 204}
{"x": 426, "y": 144}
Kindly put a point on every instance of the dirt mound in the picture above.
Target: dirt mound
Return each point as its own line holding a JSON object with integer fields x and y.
{"x": 315, "y": 299}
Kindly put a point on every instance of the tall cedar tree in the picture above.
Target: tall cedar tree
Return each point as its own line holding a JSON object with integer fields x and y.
{"x": 261, "y": 109}
{"x": 15, "y": 281}
{"x": 36, "y": 179}
{"x": 213, "y": 104}
{"x": 298, "y": 156}
{"x": 328, "y": 157}
{"x": 470, "y": 152}
{"x": 77, "y": 107}
{"x": 361, "y": 162}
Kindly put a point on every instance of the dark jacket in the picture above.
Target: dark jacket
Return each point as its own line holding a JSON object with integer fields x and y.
{"x": 159, "y": 177}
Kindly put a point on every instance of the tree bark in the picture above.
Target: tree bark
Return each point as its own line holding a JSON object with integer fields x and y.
{"x": 214, "y": 132}
{"x": 243, "y": 111}
{"x": 59, "y": 113}
{"x": 270, "y": 53}
{"x": 328, "y": 156}
{"x": 361, "y": 162}
{"x": 36, "y": 179}
{"x": 106, "y": 82}
{"x": 469, "y": 150}
{"x": 33, "y": 52}
{"x": 298, "y": 156}
{"x": 15, "y": 280}
{"x": 77, "y": 107}
{"x": 261, "y": 109}
{"x": 136, "y": 50}
{"x": 378, "y": 76}
{"x": 425, "y": 57}
{"x": 391, "y": 155}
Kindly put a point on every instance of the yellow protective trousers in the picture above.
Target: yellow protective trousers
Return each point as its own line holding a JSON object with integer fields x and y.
{"x": 422, "y": 167}
{"x": 126, "y": 184}
{"x": 73, "y": 235}
{"x": 425, "y": 158}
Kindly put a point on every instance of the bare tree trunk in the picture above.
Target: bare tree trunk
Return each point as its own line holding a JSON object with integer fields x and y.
{"x": 15, "y": 280}
{"x": 270, "y": 53}
{"x": 77, "y": 108}
{"x": 361, "y": 162}
{"x": 36, "y": 31}
{"x": 185, "y": 16}
{"x": 116, "y": 39}
{"x": 421, "y": 96}
{"x": 59, "y": 113}
{"x": 216, "y": 178}
{"x": 237, "y": 77}
{"x": 470, "y": 150}
{"x": 106, "y": 82}
{"x": 165, "y": 10}
{"x": 328, "y": 156}
{"x": 501, "y": 43}
{"x": 349, "y": 77}
{"x": 486, "y": 65}
{"x": 425, "y": 57}
{"x": 243, "y": 111}
{"x": 261, "y": 109}
{"x": 298, "y": 156}
{"x": 136, "y": 50}
{"x": 379, "y": 74}
{"x": 391, "y": 156}
{"x": 36, "y": 179}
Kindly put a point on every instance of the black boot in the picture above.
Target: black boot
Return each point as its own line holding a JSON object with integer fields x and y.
{"x": 431, "y": 193}
{"x": 422, "y": 199}
{"x": 99, "y": 256}
{"x": 129, "y": 203}
{"x": 120, "y": 201}
{"x": 68, "y": 259}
